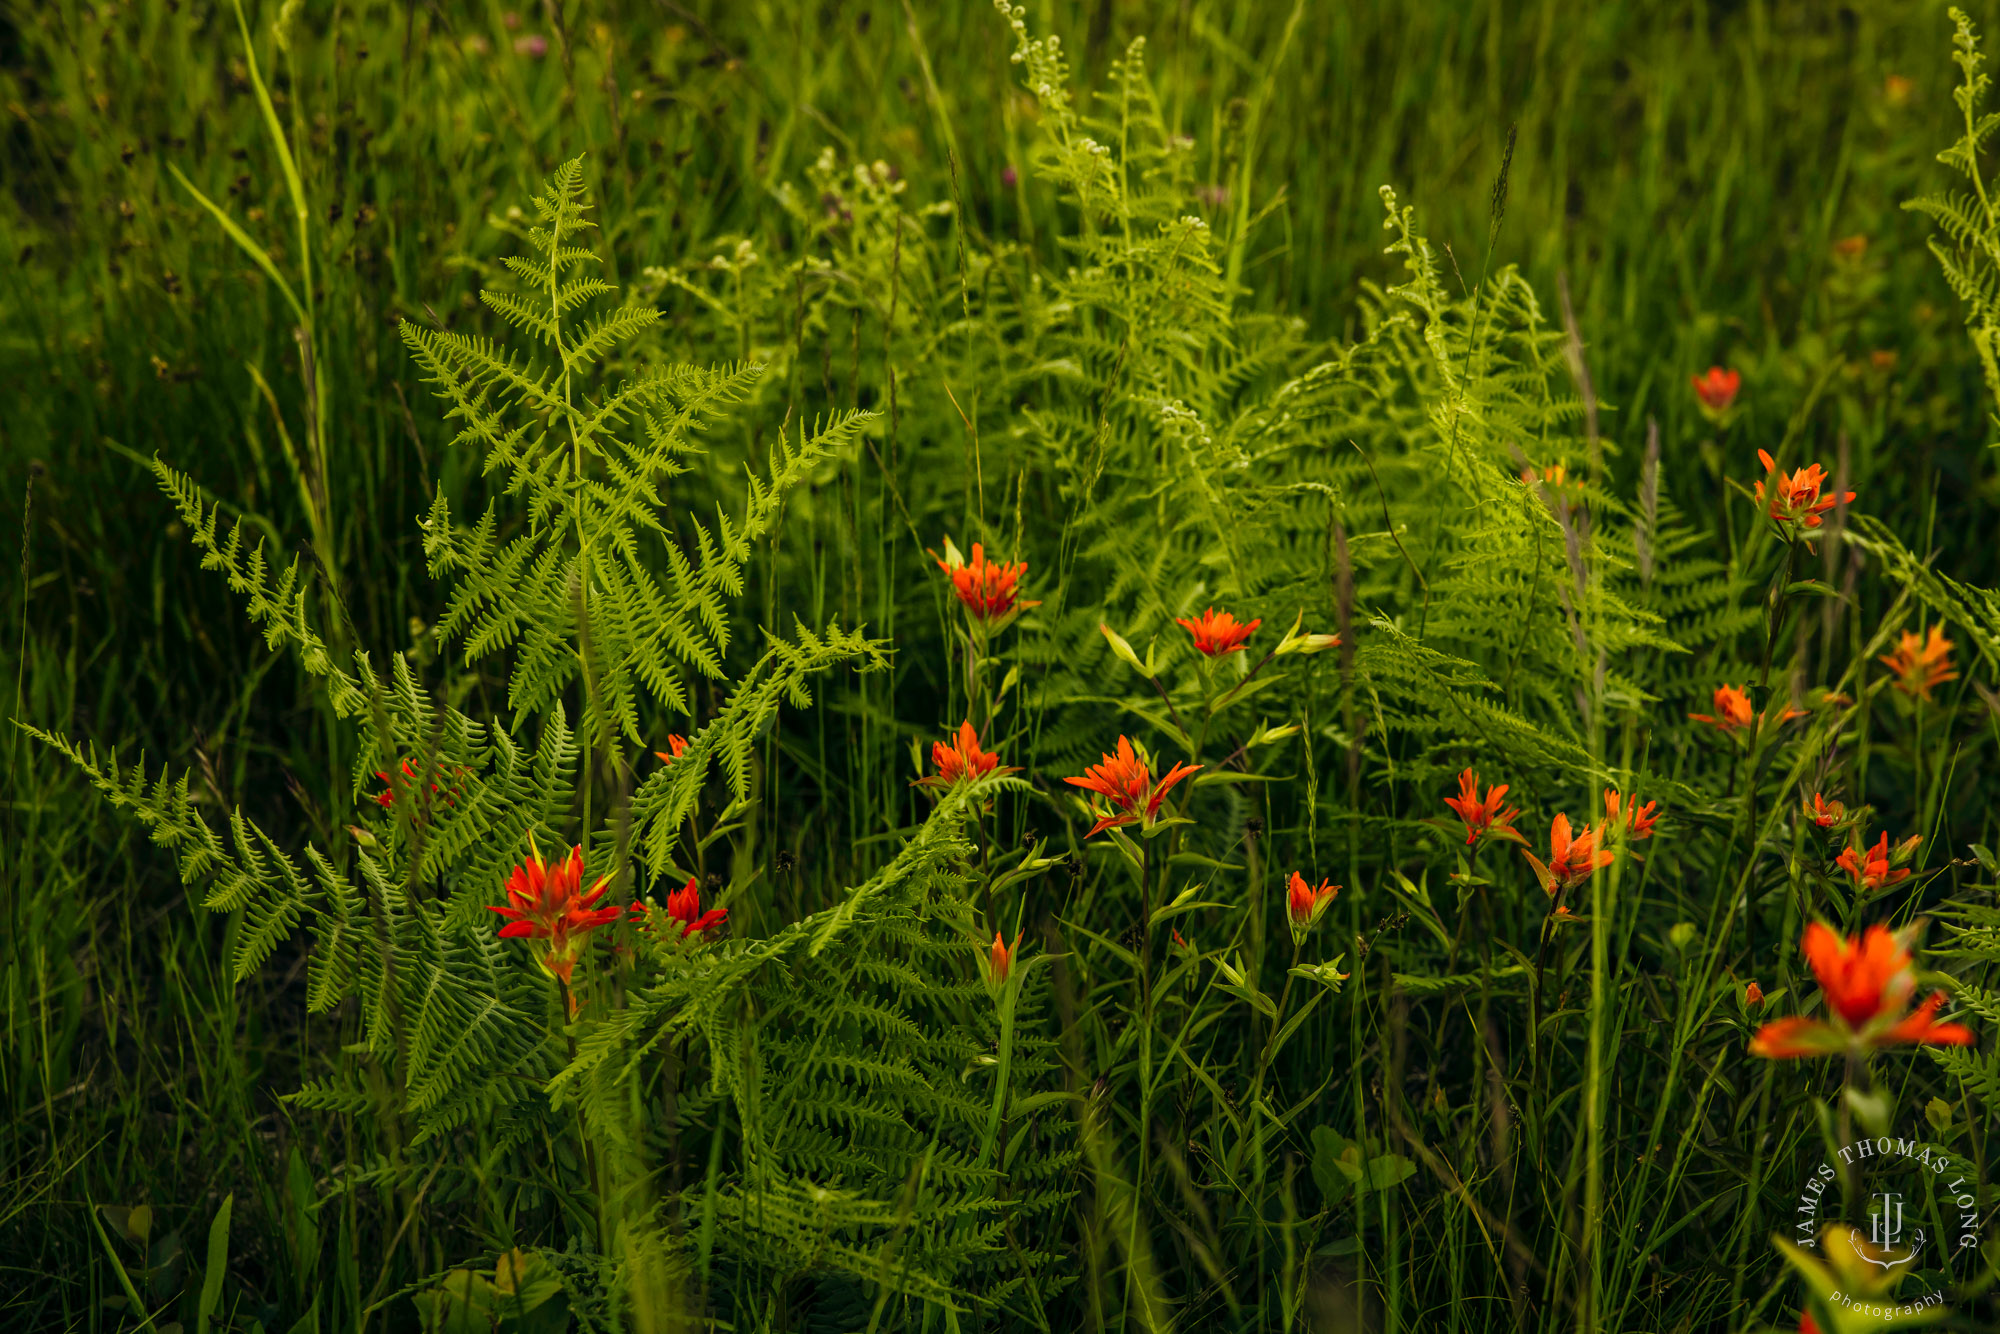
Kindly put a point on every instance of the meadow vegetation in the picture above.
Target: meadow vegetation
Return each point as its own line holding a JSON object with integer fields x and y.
{"x": 887, "y": 666}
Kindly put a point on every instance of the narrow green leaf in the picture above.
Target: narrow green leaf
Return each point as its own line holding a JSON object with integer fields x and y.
{"x": 216, "y": 1268}
{"x": 1292, "y": 1024}
{"x": 243, "y": 242}
{"x": 295, "y": 186}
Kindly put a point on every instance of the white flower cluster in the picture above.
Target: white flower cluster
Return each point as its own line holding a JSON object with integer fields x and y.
{"x": 877, "y": 175}
{"x": 744, "y": 256}
{"x": 1182, "y": 421}
{"x": 1047, "y": 75}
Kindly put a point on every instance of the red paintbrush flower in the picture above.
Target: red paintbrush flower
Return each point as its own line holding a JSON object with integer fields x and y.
{"x": 987, "y": 588}
{"x": 1867, "y": 983}
{"x": 387, "y": 798}
{"x": 1572, "y": 859}
{"x": 1639, "y": 820}
{"x": 1921, "y": 666}
{"x": 1794, "y": 498}
{"x": 684, "y": 906}
{"x": 1482, "y": 816}
{"x": 1217, "y": 633}
{"x": 1126, "y": 781}
{"x": 960, "y": 758}
{"x": 1872, "y": 869}
{"x": 676, "y": 747}
{"x": 549, "y": 903}
{"x": 1716, "y": 391}
{"x": 1305, "y": 904}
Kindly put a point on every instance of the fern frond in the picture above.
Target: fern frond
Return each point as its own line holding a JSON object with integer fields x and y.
{"x": 665, "y": 800}
{"x": 277, "y": 604}
{"x": 1974, "y": 611}
{"x": 599, "y": 336}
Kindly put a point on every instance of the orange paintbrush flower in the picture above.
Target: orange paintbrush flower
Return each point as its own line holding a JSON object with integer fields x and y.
{"x": 997, "y": 963}
{"x": 1733, "y": 713}
{"x": 1872, "y": 869}
{"x": 1639, "y": 820}
{"x": 1753, "y": 994}
{"x": 549, "y": 903}
{"x": 1921, "y": 1026}
{"x": 676, "y": 747}
{"x": 1482, "y": 815}
{"x": 1732, "y": 710}
{"x": 960, "y": 758}
{"x": 1216, "y": 633}
{"x": 1003, "y": 958}
{"x": 1826, "y": 814}
{"x": 1861, "y": 978}
{"x": 1572, "y": 859}
{"x": 1867, "y": 983}
{"x": 1921, "y": 665}
{"x": 1126, "y": 781}
{"x": 1794, "y": 498}
{"x": 987, "y": 588}
{"x": 1305, "y": 905}
{"x": 1716, "y": 391}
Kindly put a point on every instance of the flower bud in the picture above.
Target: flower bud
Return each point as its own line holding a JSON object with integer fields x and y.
{"x": 1295, "y": 642}
{"x": 1123, "y": 649}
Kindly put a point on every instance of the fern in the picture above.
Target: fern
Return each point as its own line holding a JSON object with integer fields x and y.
{"x": 845, "y": 1045}
{"x": 1973, "y": 941}
{"x": 598, "y": 585}
{"x": 1969, "y": 250}
{"x": 603, "y": 608}
{"x": 278, "y": 603}
{"x": 1974, "y": 610}
{"x": 816, "y": 1114}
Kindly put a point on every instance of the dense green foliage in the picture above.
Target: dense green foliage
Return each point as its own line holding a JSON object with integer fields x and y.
{"x": 424, "y": 413}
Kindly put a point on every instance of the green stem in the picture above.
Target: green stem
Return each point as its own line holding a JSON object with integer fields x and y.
{"x": 1145, "y": 1049}
{"x": 1780, "y": 596}
{"x": 569, "y": 1013}
{"x": 989, "y": 1150}
{"x": 1277, "y": 1023}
